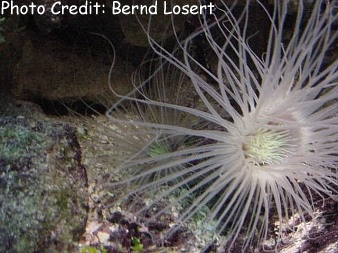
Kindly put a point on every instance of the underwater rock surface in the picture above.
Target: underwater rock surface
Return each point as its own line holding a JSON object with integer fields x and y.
{"x": 43, "y": 186}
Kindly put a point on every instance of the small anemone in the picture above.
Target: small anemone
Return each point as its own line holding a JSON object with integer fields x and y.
{"x": 137, "y": 139}
{"x": 263, "y": 135}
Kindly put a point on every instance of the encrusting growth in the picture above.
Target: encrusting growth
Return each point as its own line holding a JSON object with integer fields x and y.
{"x": 269, "y": 134}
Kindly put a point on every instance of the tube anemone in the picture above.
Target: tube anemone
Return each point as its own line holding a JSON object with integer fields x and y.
{"x": 142, "y": 144}
{"x": 269, "y": 139}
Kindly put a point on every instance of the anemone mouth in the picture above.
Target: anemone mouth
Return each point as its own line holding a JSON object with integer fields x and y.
{"x": 267, "y": 147}
{"x": 273, "y": 143}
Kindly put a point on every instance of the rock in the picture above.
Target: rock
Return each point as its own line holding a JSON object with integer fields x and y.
{"x": 52, "y": 70}
{"x": 161, "y": 25}
{"x": 43, "y": 186}
{"x": 68, "y": 58}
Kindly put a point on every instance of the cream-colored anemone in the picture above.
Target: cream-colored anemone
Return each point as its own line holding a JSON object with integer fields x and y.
{"x": 270, "y": 142}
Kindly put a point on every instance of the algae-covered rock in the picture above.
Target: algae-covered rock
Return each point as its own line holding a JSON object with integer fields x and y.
{"x": 43, "y": 186}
